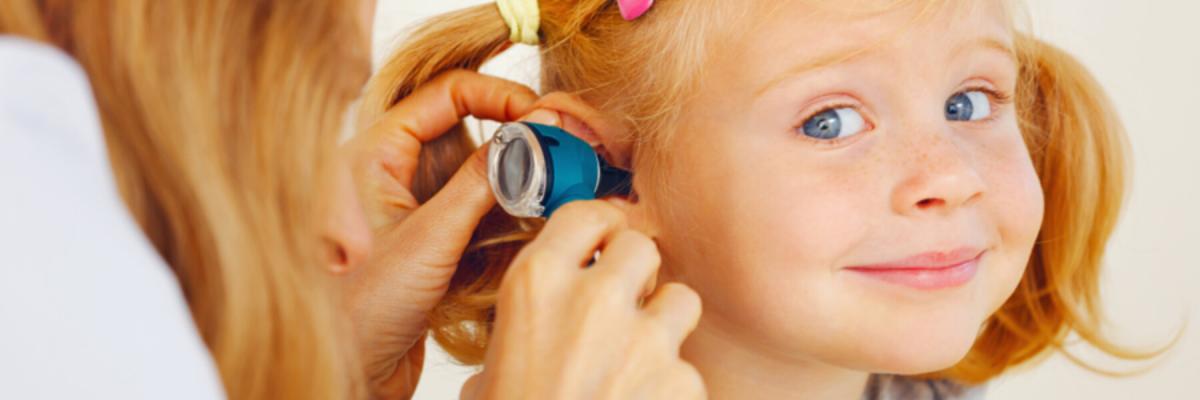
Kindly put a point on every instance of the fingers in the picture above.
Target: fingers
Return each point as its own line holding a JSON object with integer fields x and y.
{"x": 436, "y": 107}
{"x": 439, "y": 105}
{"x": 629, "y": 263}
{"x": 631, "y": 259}
{"x": 684, "y": 382}
{"x": 677, "y": 308}
{"x": 678, "y": 380}
{"x": 449, "y": 218}
{"x": 546, "y": 291}
{"x": 544, "y": 117}
{"x": 591, "y": 125}
{"x": 577, "y": 229}
{"x": 554, "y": 260}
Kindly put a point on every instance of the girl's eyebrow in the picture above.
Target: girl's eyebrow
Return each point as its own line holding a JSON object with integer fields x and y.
{"x": 837, "y": 57}
{"x": 810, "y": 64}
{"x": 986, "y": 43}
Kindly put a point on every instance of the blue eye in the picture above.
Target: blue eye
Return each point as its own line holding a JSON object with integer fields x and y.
{"x": 834, "y": 124}
{"x": 968, "y": 106}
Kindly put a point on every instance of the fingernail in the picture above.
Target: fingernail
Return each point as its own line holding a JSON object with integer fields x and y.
{"x": 544, "y": 117}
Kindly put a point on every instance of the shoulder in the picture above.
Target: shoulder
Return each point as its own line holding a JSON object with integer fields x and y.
{"x": 53, "y": 163}
{"x": 89, "y": 308}
{"x": 895, "y": 387}
{"x": 45, "y": 91}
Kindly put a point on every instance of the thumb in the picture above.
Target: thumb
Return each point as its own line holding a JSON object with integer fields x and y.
{"x": 447, "y": 221}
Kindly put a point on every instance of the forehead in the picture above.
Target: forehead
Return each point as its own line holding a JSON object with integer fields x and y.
{"x": 871, "y": 22}
{"x": 791, "y": 35}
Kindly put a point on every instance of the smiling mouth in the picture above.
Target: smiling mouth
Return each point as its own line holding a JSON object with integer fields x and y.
{"x": 927, "y": 271}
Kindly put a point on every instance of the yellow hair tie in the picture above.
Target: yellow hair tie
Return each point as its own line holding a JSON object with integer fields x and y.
{"x": 523, "y": 19}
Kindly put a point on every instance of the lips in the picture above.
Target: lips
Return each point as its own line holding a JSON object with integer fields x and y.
{"x": 927, "y": 271}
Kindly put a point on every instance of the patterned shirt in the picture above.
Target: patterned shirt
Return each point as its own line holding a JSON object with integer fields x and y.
{"x": 895, "y": 387}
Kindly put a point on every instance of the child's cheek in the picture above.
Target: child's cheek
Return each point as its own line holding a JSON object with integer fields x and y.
{"x": 1015, "y": 206}
{"x": 1016, "y": 200}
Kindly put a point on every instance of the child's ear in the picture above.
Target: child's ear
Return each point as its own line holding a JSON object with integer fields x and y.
{"x": 611, "y": 139}
{"x": 604, "y": 132}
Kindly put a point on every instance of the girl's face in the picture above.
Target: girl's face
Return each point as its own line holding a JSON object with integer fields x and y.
{"x": 853, "y": 188}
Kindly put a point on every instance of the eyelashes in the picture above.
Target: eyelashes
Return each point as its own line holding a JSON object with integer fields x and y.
{"x": 997, "y": 99}
{"x": 834, "y": 123}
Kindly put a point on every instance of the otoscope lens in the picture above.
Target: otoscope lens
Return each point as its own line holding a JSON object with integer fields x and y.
{"x": 516, "y": 166}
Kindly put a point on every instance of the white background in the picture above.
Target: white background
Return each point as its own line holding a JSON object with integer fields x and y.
{"x": 1147, "y": 54}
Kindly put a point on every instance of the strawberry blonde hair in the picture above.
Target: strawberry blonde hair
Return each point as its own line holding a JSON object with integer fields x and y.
{"x": 641, "y": 71}
{"x": 220, "y": 118}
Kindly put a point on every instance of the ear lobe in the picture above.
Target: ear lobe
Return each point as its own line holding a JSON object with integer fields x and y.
{"x": 594, "y": 126}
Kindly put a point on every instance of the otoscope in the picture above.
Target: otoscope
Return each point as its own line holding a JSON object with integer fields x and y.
{"x": 534, "y": 169}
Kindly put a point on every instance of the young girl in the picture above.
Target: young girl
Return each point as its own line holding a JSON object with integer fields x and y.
{"x": 872, "y": 198}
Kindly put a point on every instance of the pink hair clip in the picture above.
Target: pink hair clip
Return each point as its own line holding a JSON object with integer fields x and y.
{"x": 632, "y": 9}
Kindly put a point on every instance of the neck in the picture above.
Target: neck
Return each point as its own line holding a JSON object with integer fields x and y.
{"x": 734, "y": 370}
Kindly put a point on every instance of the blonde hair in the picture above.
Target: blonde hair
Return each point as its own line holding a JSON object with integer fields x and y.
{"x": 220, "y": 118}
{"x": 626, "y": 69}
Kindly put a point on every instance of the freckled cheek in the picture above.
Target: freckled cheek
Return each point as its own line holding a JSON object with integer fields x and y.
{"x": 804, "y": 219}
{"x": 1015, "y": 207}
{"x": 1016, "y": 202}
{"x": 1026, "y": 207}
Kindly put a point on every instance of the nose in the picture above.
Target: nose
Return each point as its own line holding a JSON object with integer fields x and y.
{"x": 938, "y": 179}
{"x": 347, "y": 235}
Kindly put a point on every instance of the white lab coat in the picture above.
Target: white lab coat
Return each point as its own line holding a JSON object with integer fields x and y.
{"x": 87, "y": 307}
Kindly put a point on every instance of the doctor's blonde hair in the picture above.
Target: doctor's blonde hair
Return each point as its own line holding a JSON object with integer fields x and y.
{"x": 1077, "y": 144}
{"x": 220, "y": 117}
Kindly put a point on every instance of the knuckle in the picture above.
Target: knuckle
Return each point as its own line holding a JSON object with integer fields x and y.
{"x": 526, "y": 268}
{"x": 513, "y": 292}
{"x": 536, "y": 262}
{"x": 515, "y": 88}
{"x": 687, "y": 300}
{"x": 639, "y": 244}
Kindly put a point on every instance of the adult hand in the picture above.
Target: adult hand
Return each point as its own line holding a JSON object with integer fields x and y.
{"x": 547, "y": 304}
{"x": 568, "y": 332}
{"x": 416, "y": 247}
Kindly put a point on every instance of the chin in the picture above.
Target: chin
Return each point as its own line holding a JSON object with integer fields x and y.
{"x": 923, "y": 353}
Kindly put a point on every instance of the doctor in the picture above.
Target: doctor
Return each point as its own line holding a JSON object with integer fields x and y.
{"x": 178, "y": 221}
